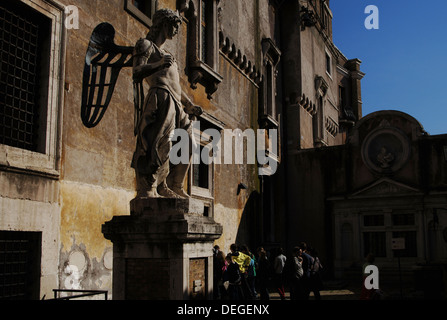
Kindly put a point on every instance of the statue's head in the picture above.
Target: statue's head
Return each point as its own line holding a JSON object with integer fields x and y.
{"x": 161, "y": 17}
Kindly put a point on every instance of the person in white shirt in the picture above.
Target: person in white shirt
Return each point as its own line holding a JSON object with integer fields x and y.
{"x": 278, "y": 267}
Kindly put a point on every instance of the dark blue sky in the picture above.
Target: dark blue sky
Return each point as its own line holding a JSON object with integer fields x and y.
{"x": 405, "y": 60}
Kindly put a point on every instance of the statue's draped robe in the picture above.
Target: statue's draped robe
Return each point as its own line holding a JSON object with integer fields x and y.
{"x": 162, "y": 113}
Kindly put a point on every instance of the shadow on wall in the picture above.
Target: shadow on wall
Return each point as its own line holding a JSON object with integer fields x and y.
{"x": 250, "y": 228}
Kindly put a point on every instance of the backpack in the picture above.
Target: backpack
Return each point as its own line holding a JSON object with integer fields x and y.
{"x": 251, "y": 268}
{"x": 288, "y": 271}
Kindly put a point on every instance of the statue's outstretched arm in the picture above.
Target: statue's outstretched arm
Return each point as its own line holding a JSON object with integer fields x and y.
{"x": 190, "y": 108}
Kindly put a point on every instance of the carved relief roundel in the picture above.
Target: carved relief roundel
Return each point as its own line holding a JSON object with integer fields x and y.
{"x": 386, "y": 150}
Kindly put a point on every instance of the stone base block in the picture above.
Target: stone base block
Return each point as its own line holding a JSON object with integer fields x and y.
{"x": 163, "y": 250}
{"x": 156, "y": 206}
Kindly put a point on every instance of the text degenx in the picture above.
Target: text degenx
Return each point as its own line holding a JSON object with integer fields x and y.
{"x": 244, "y": 309}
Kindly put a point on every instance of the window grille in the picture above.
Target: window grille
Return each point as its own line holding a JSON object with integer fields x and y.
{"x": 410, "y": 244}
{"x": 20, "y": 56}
{"x": 374, "y": 220}
{"x": 375, "y": 242}
{"x": 20, "y": 254}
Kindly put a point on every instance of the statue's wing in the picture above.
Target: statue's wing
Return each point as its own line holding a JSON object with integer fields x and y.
{"x": 138, "y": 96}
{"x": 103, "y": 63}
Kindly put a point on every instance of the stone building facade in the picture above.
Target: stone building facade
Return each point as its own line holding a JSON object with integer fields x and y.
{"x": 266, "y": 64}
{"x": 322, "y": 102}
{"x": 382, "y": 192}
{"x": 395, "y": 188}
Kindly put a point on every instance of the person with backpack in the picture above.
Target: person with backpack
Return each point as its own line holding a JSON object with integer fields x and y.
{"x": 243, "y": 261}
{"x": 219, "y": 266}
{"x": 263, "y": 274}
{"x": 307, "y": 264}
{"x": 251, "y": 272}
{"x": 316, "y": 281}
{"x": 233, "y": 276}
{"x": 295, "y": 272}
{"x": 278, "y": 267}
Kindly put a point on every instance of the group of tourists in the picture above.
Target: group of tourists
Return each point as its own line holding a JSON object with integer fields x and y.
{"x": 242, "y": 275}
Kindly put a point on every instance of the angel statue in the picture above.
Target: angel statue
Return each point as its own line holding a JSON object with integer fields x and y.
{"x": 162, "y": 109}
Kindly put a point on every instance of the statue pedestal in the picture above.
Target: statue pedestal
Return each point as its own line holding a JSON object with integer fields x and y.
{"x": 163, "y": 250}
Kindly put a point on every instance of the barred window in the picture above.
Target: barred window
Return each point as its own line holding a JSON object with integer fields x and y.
{"x": 32, "y": 60}
{"x": 20, "y": 255}
{"x": 24, "y": 54}
{"x": 375, "y": 242}
{"x": 374, "y": 220}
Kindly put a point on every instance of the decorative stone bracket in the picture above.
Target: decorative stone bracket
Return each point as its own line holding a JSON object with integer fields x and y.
{"x": 307, "y": 105}
{"x": 239, "y": 60}
{"x": 200, "y": 72}
{"x": 321, "y": 86}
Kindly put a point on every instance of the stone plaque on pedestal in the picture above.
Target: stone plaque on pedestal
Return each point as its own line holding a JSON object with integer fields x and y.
{"x": 163, "y": 250}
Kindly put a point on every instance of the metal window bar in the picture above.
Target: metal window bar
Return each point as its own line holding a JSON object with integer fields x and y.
{"x": 13, "y": 268}
{"x": 19, "y": 50}
{"x": 80, "y": 294}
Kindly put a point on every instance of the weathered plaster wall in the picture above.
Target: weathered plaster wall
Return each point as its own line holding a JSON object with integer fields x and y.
{"x": 27, "y": 205}
{"x": 97, "y": 180}
{"x": 86, "y": 257}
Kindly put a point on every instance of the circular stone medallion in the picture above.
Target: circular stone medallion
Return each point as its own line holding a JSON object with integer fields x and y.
{"x": 386, "y": 150}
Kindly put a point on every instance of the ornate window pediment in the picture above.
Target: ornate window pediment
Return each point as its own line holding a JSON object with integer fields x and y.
{"x": 321, "y": 86}
{"x": 203, "y": 43}
{"x": 386, "y": 187}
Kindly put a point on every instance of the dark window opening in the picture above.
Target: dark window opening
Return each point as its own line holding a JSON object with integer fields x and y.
{"x": 328, "y": 64}
{"x": 375, "y": 242}
{"x": 142, "y": 10}
{"x": 20, "y": 255}
{"x": 206, "y": 211}
{"x": 373, "y": 220}
{"x": 410, "y": 244}
{"x": 205, "y": 32}
{"x": 403, "y": 219}
{"x": 342, "y": 96}
{"x": 24, "y": 64}
{"x": 201, "y": 174}
{"x": 144, "y": 6}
